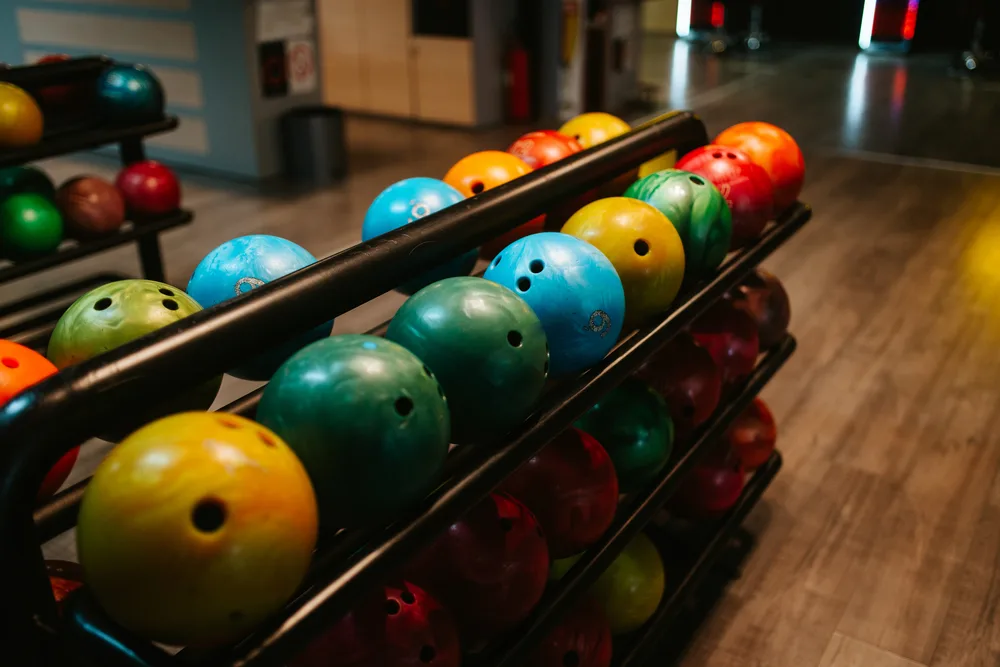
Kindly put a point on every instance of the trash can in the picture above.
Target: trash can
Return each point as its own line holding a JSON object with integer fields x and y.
{"x": 314, "y": 146}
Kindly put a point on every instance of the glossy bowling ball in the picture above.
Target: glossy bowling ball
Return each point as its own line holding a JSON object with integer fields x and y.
{"x": 642, "y": 245}
{"x": 630, "y": 589}
{"x": 129, "y": 94}
{"x": 486, "y": 347}
{"x": 240, "y": 265}
{"x": 596, "y": 127}
{"x": 764, "y": 298}
{"x": 25, "y": 180}
{"x": 90, "y": 207}
{"x": 571, "y": 487}
{"x": 573, "y": 289}
{"x": 730, "y": 336}
{"x": 367, "y": 419}
{"x": 752, "y": 436}
{"x": 489, "y": 568}
{"x": 745, "y": 186}
{"x": 21, "y": 122}
{"x": 712, "y": 487}
{"x": 118, "y": 313}
{"x": 776, "y": 151}
{"x": 581, "y": 639}
{"x": 410, "y": 200}
{"x": 60, "y": 95}
{"x": 20, "y": 368}
{"x": 697, "y": 211}
{"x": 150, "y": 189}
{"x": 633, "y": 425}
{"x": 542, "y": 148}
{"x": 30, "y": 226}
{"x": 196, "y": 528}
{"x": 686, "y": 376}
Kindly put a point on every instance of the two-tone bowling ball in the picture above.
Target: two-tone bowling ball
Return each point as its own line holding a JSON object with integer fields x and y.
{"x": 26, "y": 180}
{"x": 150, "y": 189}
{"x": 713, "y": 487}
{"x": 686, "y": 376}
{"x": 21, "y": 122}
{"x": 129, "y": 94}
{"x": 240, "y": 265}
{"x": 368, "y": 420}
{"x": 753, "y": 435}
{"x": 581, "y": 639}
{"x": 91, "y": 207}
{"x": 196, "y": 528}
{"x": 730, "y": 336}
{"x": 573, "y": 289}
{"x": 30, "y": 226}
{"x": 776, "y": 152}
{"x": 764, "y": 298}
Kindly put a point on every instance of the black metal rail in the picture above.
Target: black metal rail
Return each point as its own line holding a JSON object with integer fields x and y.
{"x": 86, "y": 139}
{"x": 47, "y": 74}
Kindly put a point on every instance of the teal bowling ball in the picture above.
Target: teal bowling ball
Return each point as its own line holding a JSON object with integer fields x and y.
{"x": 30, "y": 226}
{"x": 26, "y": 180}
{"x": 367, "y": 419}
{"x": 633, "y": 423}
{"x": 486, "y": 347}
{"x": 129, "y": 94}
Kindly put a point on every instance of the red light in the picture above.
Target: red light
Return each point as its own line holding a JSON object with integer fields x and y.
{"x": 910, "y": 22}
{"x": 718, "y": 14}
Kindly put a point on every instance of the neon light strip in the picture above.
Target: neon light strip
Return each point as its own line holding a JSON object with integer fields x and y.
{"x": 867, "y": 24}
{"x": 684, "y": 18}
{"x": 910, "y": 22}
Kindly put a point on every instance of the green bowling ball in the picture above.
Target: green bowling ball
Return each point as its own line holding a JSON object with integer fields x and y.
{"x": 697, "y": 210}
{"x": 633, "y": 424}
{"x": 486, "y": 347}
{"x": 367, "y": 419}
{"x": 30, "y": 226}
{"x": 26, "y": 180}
{"x": 115, "y": 314}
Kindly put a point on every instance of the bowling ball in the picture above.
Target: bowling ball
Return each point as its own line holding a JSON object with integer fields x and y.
{"x": 240, "y": 265}
{"x": 196, "y": 528}
{"x": 697, "y": 211}
{"x": 730, "y": 336}
{"x": 150, "y": 189}
{"x": 30, "y": 226}
{"x": 745, "y": 186}
{"x": 753, "y": 434}
{"x": 20, "y": 368}
{"x": 486, "y": 347}
{"x": 21, "y": 122}
{"x": 630, "y": 589}
{"x": 25, "y": 180}
{"x": 368, "y": 420}
{"x": 571, "y": 487}
{"x": 776, "y": 151}
{"x": 642, "y": 245}
{"x": 573, "y": 289}
{"x": 582, "y": 639}
{"x": 118, "y": 313}
{"x": 764, "y": 298}
{"x": 90, "y": 207}
{"x": 129, "y": 94}
{"x": 489, "y": 568}
{"x": 633, "y": 425}
{"x": 356, "y": 639}
{"x": 686, "y": 376}
{"x": 64, "y": 578}
{"x": 544, "y": 147}
{"x": 593, "y": 128}
{"x": 409, "y": 200}
{"x": 60, "y": 95}
{"x": 712, "y": 487}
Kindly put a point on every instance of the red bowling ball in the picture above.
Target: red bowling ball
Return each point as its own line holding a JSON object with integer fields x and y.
{"x": 358, "y": 638}
{"x": 746, "y": 187}
{"x": 582, "y": 639}
{"x": 712, "y": 487}
{"x": 150, "y": 189}
{"x": 489, "y": 568}
{"x": 730, "y": 336}
{"x": 543, "y": 147}
{"x": 687, "y": 377}
{"x": 61, "y": 95}
{"x": 571, "y": 487}
{"x": 763, "y": 297}
{"x": 753, "y": 435}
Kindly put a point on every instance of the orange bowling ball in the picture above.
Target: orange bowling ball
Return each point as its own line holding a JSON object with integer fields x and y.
{"x": 594, "y": 128}
{"x": 196, "y": 528}
{"x": 776, "y": 151}
{"x": 21, "y": 122}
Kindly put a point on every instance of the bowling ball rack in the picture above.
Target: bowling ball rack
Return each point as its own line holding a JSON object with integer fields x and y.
{"x": 62, "y": 411}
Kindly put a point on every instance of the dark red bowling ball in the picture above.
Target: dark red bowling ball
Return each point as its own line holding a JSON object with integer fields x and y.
{"x": 753, "y": 434}
{"x": 357, "y": 639}
{"x": 489, "y": 568}
{"x": 730, "y": 336}
{"x": 149, "y": 188}
{"x": 712, "y": 487}
{"x": 764, "y": 297}
{"x": 59, "y": 95}
{"x": 687, "y": 377}
{"x": 582, "y": 639}
{"x": 419, "y": 631}
{"x": 571, "y": 487}
{"x": 745, "y": 185}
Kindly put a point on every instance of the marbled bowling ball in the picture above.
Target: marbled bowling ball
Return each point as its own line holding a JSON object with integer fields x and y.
{"x": 245, "y": 263}
{"x": 542, "y": 148}
{"x": 697, "y": 211}
{"x": 633, "y": 425}
{"x": 25, "y": 180}
{"x": 686, "y": 376}
{"x": 486, "y": 347}
{"x": 30, "y": 227}
{"x": 730, "y": 336}
{"x": 776, "y": 152}
{"x": 582, "y": 639}
{"x": 764, "y": 298}
{"x": 571, "y": 487}
{"x": 90, "y": 207}
{"x": 196, "y": 528}
{"x": 593, "y": 128}
{"x": 712, "y": 487}
{"x": 573, "y": 289}
{"x": 368, "y": 420}
{"x": 21, "y": 122}
{"x": 410, "y": 200}
{"x": 150, "y": 189}
{"x": 129, "y": 94}
{"x": 753, "y": 435}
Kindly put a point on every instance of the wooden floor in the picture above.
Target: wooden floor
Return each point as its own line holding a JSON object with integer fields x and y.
{"x": 879, "y": 541}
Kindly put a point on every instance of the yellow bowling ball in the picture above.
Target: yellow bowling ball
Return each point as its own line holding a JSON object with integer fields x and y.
{"x": 196, "y": 528}
{"x": 642, "y": 245}
{"x": 21, "y": 121}
{"x": 594, "y": 128}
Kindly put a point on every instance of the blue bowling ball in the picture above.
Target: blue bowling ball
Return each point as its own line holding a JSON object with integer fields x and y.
{"x": 129, "y": 94}
{"x": 240, "y": 265}
{"x": 573, "y": 288}
{"x": 409, "y": 200}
